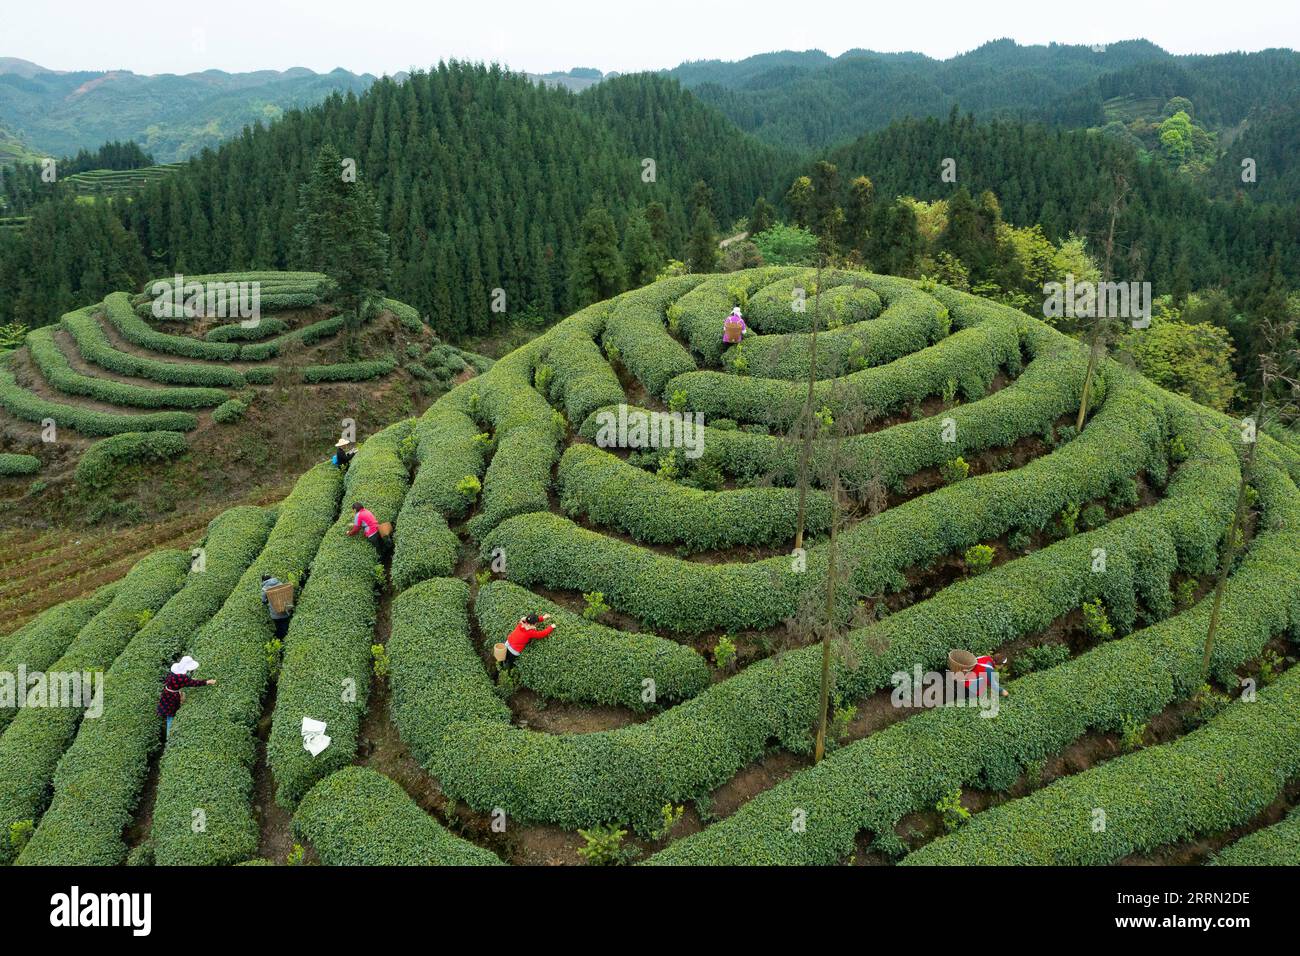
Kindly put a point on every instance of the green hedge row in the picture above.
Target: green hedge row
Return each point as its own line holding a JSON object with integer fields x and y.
{"x": 771, "y": 309}
{"x": 424, "y": 546}
{"x": 587, "y": 662}
{"x": 238, "y": 332}
{"x": 664, "y": 592}
{"x": 59, "y": 373}
{"x": 307, "y": 335}
{"x": 627, "y": 774}
{"x": 104, "y": 459}
{"x": 348, "y": 371}
{"x": 843, "y": 350}
{"x": 29, "y": 406}
{"x": 1215, "y": 778}
{"x": 99, "y": 780}
{"x": 94, "y": 346}
{"x": 357, "y": 817}
{"x": 636, "y": 329}
{"x": 229, "y": 412}
{"x": 37, "y": 737}
{"x": 42, "y": 641}
{"x": 406, "y": 315}
{"x": 1047, "y": 389}
{"x": 969, "y": 360}
{"x": 1278, "y": 845}
{"x": 117, "y": 309}
{"x": 701, "y": 311}
{"x": 208, "y": 762}
{"x": 12, "y": 465}
{"x": 447, "y": 452}
{"x": 873, "y": 783}
{"x": 654, "y": 510}
{"x": 327, "y": 661}
{"x": 582, "y": 379}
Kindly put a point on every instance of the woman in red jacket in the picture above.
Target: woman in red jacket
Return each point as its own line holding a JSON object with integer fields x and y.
{"x": 528, "y": 629}
{"x": 173, "y": 692}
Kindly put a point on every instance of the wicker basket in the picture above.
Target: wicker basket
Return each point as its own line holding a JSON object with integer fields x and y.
{"x": 959, "y": 661}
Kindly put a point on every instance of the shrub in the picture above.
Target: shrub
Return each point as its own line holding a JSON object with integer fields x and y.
{"x": 227, "y": 413}
{"x": 31, "y": 407}
{"x": 38, "y": 736}
{"x": 1039, "y": 657}
{"x": 100, "y": 778}
{"x": 1096, "y": 622}
{"x": 357, "y": 817}
{"x": 12, "y": 465}
{"x": 979, "y": 558}
{"x": 118, "y": 311}
{"x": 239, "y": 332}
{"x": 101, "y": 463}
{"x": 604, "y": 846}
{"x": 954, "y": 470}
{"x": 209, "y": 759}
{"x": 348, "y": 371}
{"x": 59, "y": 373}
{"x": 94, "y": 346}
{"x": 1278, "y": 845}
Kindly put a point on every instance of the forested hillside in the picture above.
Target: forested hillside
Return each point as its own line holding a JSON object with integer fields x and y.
{"x": 812, "y": 100}
{"x": 483, "y": 179}
{"x": 174, "y": 117}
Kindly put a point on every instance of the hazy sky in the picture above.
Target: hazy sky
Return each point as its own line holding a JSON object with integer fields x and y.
{"x": 384, "y": 36}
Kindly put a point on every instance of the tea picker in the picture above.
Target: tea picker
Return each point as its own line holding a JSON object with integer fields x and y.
{"x": 173, "y": 692}
{"x": 344, "y": 452}
{"x": 376, "y": 533}
{"x": 733, "y": 327}
{"x": 278, "y": 598}
{"x": 528, "y": 629}
{"x": 974, "y": 669}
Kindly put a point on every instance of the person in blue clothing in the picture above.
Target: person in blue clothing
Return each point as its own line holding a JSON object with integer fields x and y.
{"x": 344, "y": 452}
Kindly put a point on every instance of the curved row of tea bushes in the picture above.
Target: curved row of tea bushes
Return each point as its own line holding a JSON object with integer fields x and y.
{"x": 37, "y": 737}
{"x": 967, "y": 360}
{"x": 582, "y": 380}
{"x": 850, "y": 348}
{"x": 20, "y": 403}
{"x": 118, "y": 311}
{"x": 208, "y": 763}
{"x": 628, "y": 774}
{"x": 12, "y": 465}
{"x": 447, "y": 450}
{"x": 406, "y": 315}
{"x": 776, "y": 308}
{"x": 58, "y": 371}
{"x": 95, "y": 347}
{"x": 1278, "y": 845}
{"x": 357, "y": 817}
{"x": 348, "y": 371}
{"x": 1047, "y": 389}
{"x": 239, "y": 332}
{"x": 99, "y": 780}
{"x": 327, "y": 661}
{"x": 664, "y": 592}
{"x": 699, "y": 313}
{"x": 873, "y": 783}
{"x": 42, "y": 641}
{"x": 518, "y": 479}
{"x": 654, "y": 510}
{"x": 587, "y": 662}
{"x": 102, "y": 461}
{"x": 1215, "y": 778}
{"x": 636, "y": 331}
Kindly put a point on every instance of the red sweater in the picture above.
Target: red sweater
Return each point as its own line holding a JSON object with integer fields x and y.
{"x": 983, "y": 665}
{"x": 522, "y": 634}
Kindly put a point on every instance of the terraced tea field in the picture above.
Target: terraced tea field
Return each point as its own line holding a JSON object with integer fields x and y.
{"x": 967, "y": 511}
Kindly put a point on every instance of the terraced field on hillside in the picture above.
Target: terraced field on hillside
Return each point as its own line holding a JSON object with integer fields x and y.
{"x": 1101, "y": 545}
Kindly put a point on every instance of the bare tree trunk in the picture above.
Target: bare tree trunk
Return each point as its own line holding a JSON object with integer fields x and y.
{"x": 1234, "y": 534}
{"x": 806, "y": 417}
{"x": 1098, "y": 340}
{"x": 829, "y": 623}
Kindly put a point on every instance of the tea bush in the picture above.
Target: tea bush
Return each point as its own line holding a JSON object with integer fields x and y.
{"x": 12, "y": 465}
{"x": 1278, "y": 845}
{"x": 28, "y": 406}
{"x": 101, "y": 462}
{"x": 94, "y": 346}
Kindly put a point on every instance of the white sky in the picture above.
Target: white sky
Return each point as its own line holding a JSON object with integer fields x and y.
{"x": 384, "y": 36}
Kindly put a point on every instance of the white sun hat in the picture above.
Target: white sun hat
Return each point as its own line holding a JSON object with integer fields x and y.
{"x": 185, "y": 665}
{"x": 342, "y": 443}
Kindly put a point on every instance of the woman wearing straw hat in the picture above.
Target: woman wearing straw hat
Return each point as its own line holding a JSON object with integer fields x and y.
{"x": 173, "y": 689}
{"x": 344, "y": 452}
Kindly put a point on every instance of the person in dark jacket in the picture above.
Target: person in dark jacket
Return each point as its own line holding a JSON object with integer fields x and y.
{"x": 279, "y": 618}
{"x": 344, "y": 452}
{"x": 174, "y": 685}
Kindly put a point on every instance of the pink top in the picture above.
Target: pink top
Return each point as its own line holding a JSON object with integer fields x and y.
{"x": 366, "y": 521}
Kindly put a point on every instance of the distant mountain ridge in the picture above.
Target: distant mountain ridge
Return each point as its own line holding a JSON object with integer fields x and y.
{"x": 173, "y": 116}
